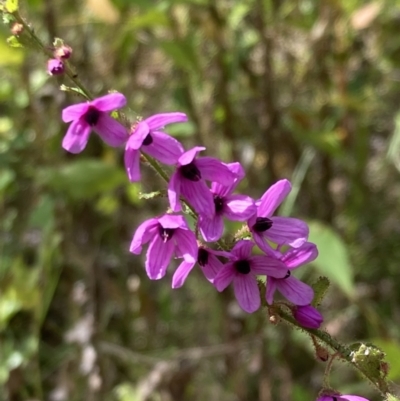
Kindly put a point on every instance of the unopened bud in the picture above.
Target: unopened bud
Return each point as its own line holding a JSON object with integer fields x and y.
{"x": 17, "y": 28}
{"x": 55, "y": 67}
{"x": 63, "y": 52}
{"x": 308, "y": 316}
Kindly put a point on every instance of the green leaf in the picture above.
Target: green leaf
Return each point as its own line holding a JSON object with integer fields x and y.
{"x": 73, "y": 89}
{"x": 12, "y": 6}
{"x": 83, "y": 179}
{"x": 13, "y": 42}
{"x": 333, "y": 260}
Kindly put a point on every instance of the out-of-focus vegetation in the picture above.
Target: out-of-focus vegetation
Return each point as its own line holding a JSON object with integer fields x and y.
{"x": 303, "y": 89}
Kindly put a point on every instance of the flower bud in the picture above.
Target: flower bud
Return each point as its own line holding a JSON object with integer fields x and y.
{"x": 17, "y": 28}
{"x": 308, "y": 316}
{"x": 55, "y": 67}
{"x": 63, "y": 52}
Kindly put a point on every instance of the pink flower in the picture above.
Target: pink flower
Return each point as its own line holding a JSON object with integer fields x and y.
{"x": 308, "y": 316}
{"x": 209, "y": 262}
{"x": 339, "y": 397}
{"x": 242, "y": 269}
{"x": 233, "y": 207}
{"x": 292, "y": 288}
{"x": 281, "y": 230}
{"x": 55, "y": 67}
{"x": 168, "y": 235}
{"x": 189, "y": 180}
{"x": 88, "y": 116}
{"x": 148, "y": 136}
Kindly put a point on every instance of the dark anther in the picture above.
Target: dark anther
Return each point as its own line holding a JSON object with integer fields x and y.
{"x": 202, "y": 257}
{"x": 148, "y": 140}
{"x": 262, "y": 224}
{"x": 92, "y": 116}
{"x": 334, "y": 399}
{"x": 242, "y": 266}
{"x": 165, "y": 233}
{"x": 287, "y": 274}
{"x": 219, "y": 204}
{"x": 191, "y": 172}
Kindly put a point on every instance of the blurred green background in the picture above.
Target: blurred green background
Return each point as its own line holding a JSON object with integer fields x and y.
{"x": 307, "y": 90}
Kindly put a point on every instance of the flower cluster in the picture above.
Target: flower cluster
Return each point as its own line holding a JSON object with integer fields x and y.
{"x": 207, "y": 186}
{"x": 56, "y": 66}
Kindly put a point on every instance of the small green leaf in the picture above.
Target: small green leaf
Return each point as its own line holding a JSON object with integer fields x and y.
{"x": 73, "y": 89}
{"x": 320, "y": 288}
{"x": 12, "y": 6}
{"x": 13, "y": 42}
{"x": 333, "y": 260}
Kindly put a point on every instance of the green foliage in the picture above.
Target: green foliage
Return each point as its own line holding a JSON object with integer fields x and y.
{"x": 83, "y": 178}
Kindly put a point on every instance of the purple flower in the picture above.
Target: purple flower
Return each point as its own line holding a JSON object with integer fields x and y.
{"x": 188, "y": 180}
{"x": 209, "y": 262}
{"x": 148, "y": 136}
{"x": 281, "y": 230}
{"x": 242, "y": 270}
{"x": 94, "y": 116}
{"x": 292, "y": 288}
{"x": 167, "y": 235}
{"x": 234, "y": 207}
{"x": 308, "y": 316}
{"x": 55, "y": 67}
{"x": 339, "y": 397}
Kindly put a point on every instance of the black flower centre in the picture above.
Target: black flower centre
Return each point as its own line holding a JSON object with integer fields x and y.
{"x": 202, "y": 257}
{"x": 190, "y": 172}
{"x": 148, "y": 140}
{"x": 262, "y": 224}
{"x": 287, "y": 274}
{"x": 219, "y": 204}
{"x": 242, "y": 266}
{"x": 166, "y": 233}
{"x": 92, "y": 116}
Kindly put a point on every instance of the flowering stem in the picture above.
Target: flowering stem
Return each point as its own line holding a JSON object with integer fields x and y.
{"x": 68, "y": 70}
{"x": 342, "y": 351}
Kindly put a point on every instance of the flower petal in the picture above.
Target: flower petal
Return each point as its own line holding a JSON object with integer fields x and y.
{"x": 186, "y": 245}
{"x": 199, "y": 196}
{"x": 164, "y": 148}
{"x": 352, "y": 398}
{"x": 273, "y": 197}
{"x": 188, "y": 156}
{"x": 224, "y": 190}
{"x": 74, "y": 112}
{"x": 224, "y": 277}
{"x": 143, "y": 234}
{"x": 246, "y": 292}
{"x": 271, "y": 288}
{"x": 138, "y": 135}
{"x": 172, "y": 221}
{"x": 267, "y": 266}
{"x": 160, "y": 120}
{"x": 263, "y": 244}
{"x": 296, "y": 257}
{"x": 211, "y": 228}
{"x": 111, "y": 131}
{"x": 308, "y": 316}
{"x": 181, "y": 273}
{"x": 158, "y": 257}
{"x": 214, "y": 170}
{"x": 287, "y": 231}
{"x": 295, "y": 290}
{"x": 239, "y": 207}
{"x": 212, "y": 267}
{"x": 77, "y": 136}
{"x": 174, "y": 192}
{"x": 109, "y": 102}
{"x": 242, "y": 249}
{"x": 132, "y": 164}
